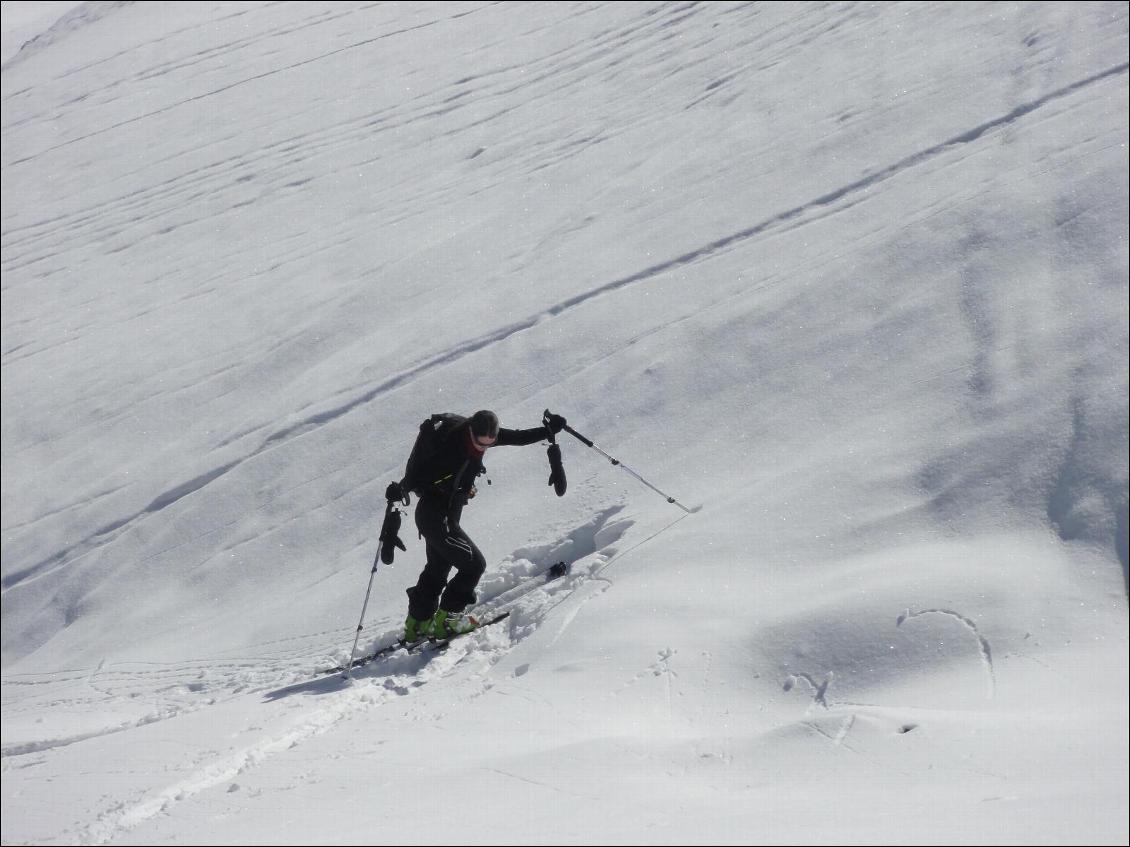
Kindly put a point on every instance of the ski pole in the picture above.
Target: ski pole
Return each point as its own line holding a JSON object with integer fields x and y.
{"x": 361, "y": 623}
{"x": 389, "y": 540}
{"x": 588, "y": 443}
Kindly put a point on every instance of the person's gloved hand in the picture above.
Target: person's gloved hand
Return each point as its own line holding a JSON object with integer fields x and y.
{"x": 556, "y": 423}
{"x": 394, "y": 492}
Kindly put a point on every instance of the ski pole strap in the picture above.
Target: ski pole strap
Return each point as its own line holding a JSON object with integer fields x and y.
{"x": 588, "y": 443}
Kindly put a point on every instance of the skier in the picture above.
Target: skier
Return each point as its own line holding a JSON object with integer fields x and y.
{"x": 442, "y": 472}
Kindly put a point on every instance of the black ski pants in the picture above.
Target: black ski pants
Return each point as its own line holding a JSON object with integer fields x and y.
{"x": 448, "y": 546}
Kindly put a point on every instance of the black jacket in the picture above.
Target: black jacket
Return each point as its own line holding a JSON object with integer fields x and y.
{"x": 452, "y": 471}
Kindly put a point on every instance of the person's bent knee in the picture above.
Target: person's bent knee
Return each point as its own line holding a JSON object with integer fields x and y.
{"x": 478, "y": 564}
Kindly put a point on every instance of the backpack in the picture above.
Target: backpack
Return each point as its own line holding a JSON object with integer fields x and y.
{"x": 433, "y": 433}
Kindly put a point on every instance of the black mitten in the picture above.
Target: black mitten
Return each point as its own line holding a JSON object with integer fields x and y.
{"x": 390, "y": 535}
{"x": 557, "y": 470}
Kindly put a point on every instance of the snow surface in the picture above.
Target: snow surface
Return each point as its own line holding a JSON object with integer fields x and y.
{"x": 848, "y": 279}
{"x": 35, "y": 23}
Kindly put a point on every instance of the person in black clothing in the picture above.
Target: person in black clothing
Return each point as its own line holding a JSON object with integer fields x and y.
{"x": 445, "y": 482}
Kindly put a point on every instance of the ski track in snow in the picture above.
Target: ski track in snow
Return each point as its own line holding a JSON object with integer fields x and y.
{"x": 285, "y": 156}
{"x": 985, "y": 650}
{"x": 788, "y": 219}
{"x": 219, "y": 52}
{"x": 372, "y": 688}
{"x": 208, "y": 774}
{"x": 177, "y": 689}
{"x": 819, "y": 689}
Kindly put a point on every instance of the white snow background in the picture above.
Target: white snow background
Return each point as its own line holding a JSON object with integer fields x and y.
{"x": 847, "y": 279}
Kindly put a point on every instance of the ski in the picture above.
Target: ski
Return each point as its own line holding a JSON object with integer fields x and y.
{"x": 361, "y": 661}
{"x": 553, "y": 572}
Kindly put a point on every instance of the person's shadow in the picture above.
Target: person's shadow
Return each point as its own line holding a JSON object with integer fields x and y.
{"x": 398, "y": 664}
{"x": 323, "y": 685}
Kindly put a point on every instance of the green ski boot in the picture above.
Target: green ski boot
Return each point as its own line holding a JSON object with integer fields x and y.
{"x": 414, "y": 630}
{"x": 445, "y": 624}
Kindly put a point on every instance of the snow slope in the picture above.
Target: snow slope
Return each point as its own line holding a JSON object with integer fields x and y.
{"x": 849, "y": 279}
{"x": 35, "y": 23}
